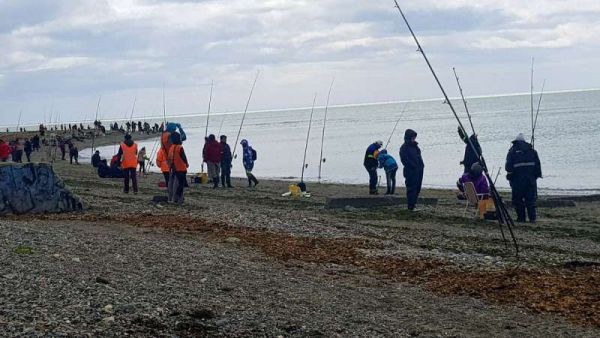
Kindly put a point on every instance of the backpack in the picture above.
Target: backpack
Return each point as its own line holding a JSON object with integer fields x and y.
{"x": 253, "y": 155}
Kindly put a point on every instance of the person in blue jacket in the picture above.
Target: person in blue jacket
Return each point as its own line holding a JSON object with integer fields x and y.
{"x": 371, "y": 164}
{"x": 249, "y": 157}
{"x": 410, "y": 155}
{"x": 389, "y": 165}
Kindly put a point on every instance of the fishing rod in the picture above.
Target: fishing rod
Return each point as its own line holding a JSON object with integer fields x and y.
{"x": 164, "y": 108}
{"x": 208, "y": 115}
{"x": 321, "y": 159}
{"x": 396, "y": 126}
{"x": 132, "y": 110}
{"x": 19, "y": 122}
{"x": 505, "y": 218}
{"x": 304, "y": 164}
{"x": 95, "y": 126}
{"x": 532, "y": 64}
{"x": 463, "y": 99}
{"x": 245, "y": 112}
{"x": 536, "y": 115}
{"x": 208, "y": 112}
{"x": 222, "y": 122}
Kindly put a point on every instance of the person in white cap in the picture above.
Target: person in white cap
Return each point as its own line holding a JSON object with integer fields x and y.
{"x": 523, "y": 168}
{"x": 371, "y": 164}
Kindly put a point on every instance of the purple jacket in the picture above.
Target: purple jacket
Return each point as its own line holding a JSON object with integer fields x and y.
{"x": 481, "y": 183}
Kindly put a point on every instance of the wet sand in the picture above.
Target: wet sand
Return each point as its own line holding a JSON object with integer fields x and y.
{"x": 248, "y": 262}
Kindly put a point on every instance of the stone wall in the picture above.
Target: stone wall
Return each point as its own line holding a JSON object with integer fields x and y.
{"x": 34, "y": 188}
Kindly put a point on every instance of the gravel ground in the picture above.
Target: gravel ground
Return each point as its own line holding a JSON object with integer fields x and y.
{"x": 84, "y": 279}
{"x": 268, "y": 265}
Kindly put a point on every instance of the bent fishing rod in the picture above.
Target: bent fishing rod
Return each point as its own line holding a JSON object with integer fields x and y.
{"x": 536, "y": 115}
{"x": 244, "y": 115}
{"x": 531, "y": 96}
{"x": 19, "y": 122}
{"x": 321, "y": 159}
{"x": 505, "y": 218}
{"x": 396, "y": 126}
{"x": 304, "y": 165}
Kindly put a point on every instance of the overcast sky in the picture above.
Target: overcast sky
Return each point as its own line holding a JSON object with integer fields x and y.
{"x": 60, "y": 55}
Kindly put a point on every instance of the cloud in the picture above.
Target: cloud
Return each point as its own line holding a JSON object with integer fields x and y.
{"x": 70, "y": 51}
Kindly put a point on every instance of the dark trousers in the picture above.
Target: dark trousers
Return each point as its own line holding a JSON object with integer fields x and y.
{"x": 28, "y": 154}
{"x": 130, "y": 174}
{"x": 166, "y": 176}
{"x": 391, "y": 181}
{"x": 524, "y": 198}
{"x": 74, "y": 157}
{"x": 413, "y": 183}
{"x": 226, "y": 174}
{"x": 251, "y": 179}
{"x": 372, "y": 178}
{"x": 142, "y": 165}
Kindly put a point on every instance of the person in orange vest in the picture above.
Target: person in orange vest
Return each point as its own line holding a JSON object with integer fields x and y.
{"x": 163, "y": 164}
{"x": 178, "y": 164}
{"x": 128, "y": 157}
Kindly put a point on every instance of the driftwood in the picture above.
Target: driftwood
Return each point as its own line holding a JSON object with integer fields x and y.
{"x": 34, "y": 188}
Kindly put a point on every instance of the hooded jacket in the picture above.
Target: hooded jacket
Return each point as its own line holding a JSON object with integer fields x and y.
{"x": 410, "y": 155}
{"x": 386, "y": 161}
{"x": 212, "y": 152}
{"x": 522, "y": 163}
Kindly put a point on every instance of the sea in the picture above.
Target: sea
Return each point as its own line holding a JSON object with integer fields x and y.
{"x": 567, "y": 139}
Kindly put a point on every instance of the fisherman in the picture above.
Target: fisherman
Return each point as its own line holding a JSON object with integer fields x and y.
{"x": 371, "y": 164}
{"x": 63, "y": 147}
{"x": 96, "y": 159}
{"x": 523, "y": 168}
{"x": 390, "y": 166}
{"x": 163, "y": 164}
{"x": 28, "y": 149}
{"x": 475, "y": 176}
{"x": 165, "y": 139}
{"x": 212, "y": 156}
{"x": 35, "y": 141}
{"x": 127, "y": 156}
{"x": 410, "y": 155}
{"x": 178, "y": 164}
{"x": 226, "y": 160}
{"x": 73, "y": 153}
{"x": 19, "y": 149}
{"x": 248, "y": 158}
{"x": 5, "y": 151}
{"x": 470, "y": 156}
{"x": 142, "y": 158}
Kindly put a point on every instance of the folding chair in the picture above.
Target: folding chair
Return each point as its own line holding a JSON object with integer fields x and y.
{"x": 473, "y": 197}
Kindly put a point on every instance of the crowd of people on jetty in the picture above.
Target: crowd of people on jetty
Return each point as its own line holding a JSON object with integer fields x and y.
{"x": 522, "y": 166}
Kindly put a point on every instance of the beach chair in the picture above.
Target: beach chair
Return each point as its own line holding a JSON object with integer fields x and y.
{"x": 473, "y": 198}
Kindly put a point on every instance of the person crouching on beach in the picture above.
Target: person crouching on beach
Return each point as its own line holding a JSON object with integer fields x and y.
{"x": 249, "y": 157}
{"x": 371, "y": 165}
{"x": 389, "y": 164}
{"x": 178, "y": 164}
{"x": 128, "y": 157}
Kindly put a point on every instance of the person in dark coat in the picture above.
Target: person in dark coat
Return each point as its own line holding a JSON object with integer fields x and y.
{"x": 410, "y": 156}
{"x": 212, "y": 156}
{"x": 371, "y": 164}
{"x": 523, "y": 168}
{"x": 471, "y": 157}
{"x": 226, "y": 160}
{"x": 96, "y": 159}
{"x": 28, "y": 149}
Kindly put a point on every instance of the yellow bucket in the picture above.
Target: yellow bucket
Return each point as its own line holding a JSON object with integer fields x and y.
{"x": 203, "y": 178}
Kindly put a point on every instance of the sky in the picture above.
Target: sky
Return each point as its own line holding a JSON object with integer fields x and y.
{"x": 59, "y": 56}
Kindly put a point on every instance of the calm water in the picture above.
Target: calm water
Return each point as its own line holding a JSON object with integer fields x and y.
{"x": 567, "y": 139}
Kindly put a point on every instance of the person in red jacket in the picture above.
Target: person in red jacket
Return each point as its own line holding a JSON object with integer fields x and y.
{"x": 5, "y": 151}
{"x": 212, "y": 156}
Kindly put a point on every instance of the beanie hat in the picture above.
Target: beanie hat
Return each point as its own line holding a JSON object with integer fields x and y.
{"x": 520, "y": 137}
